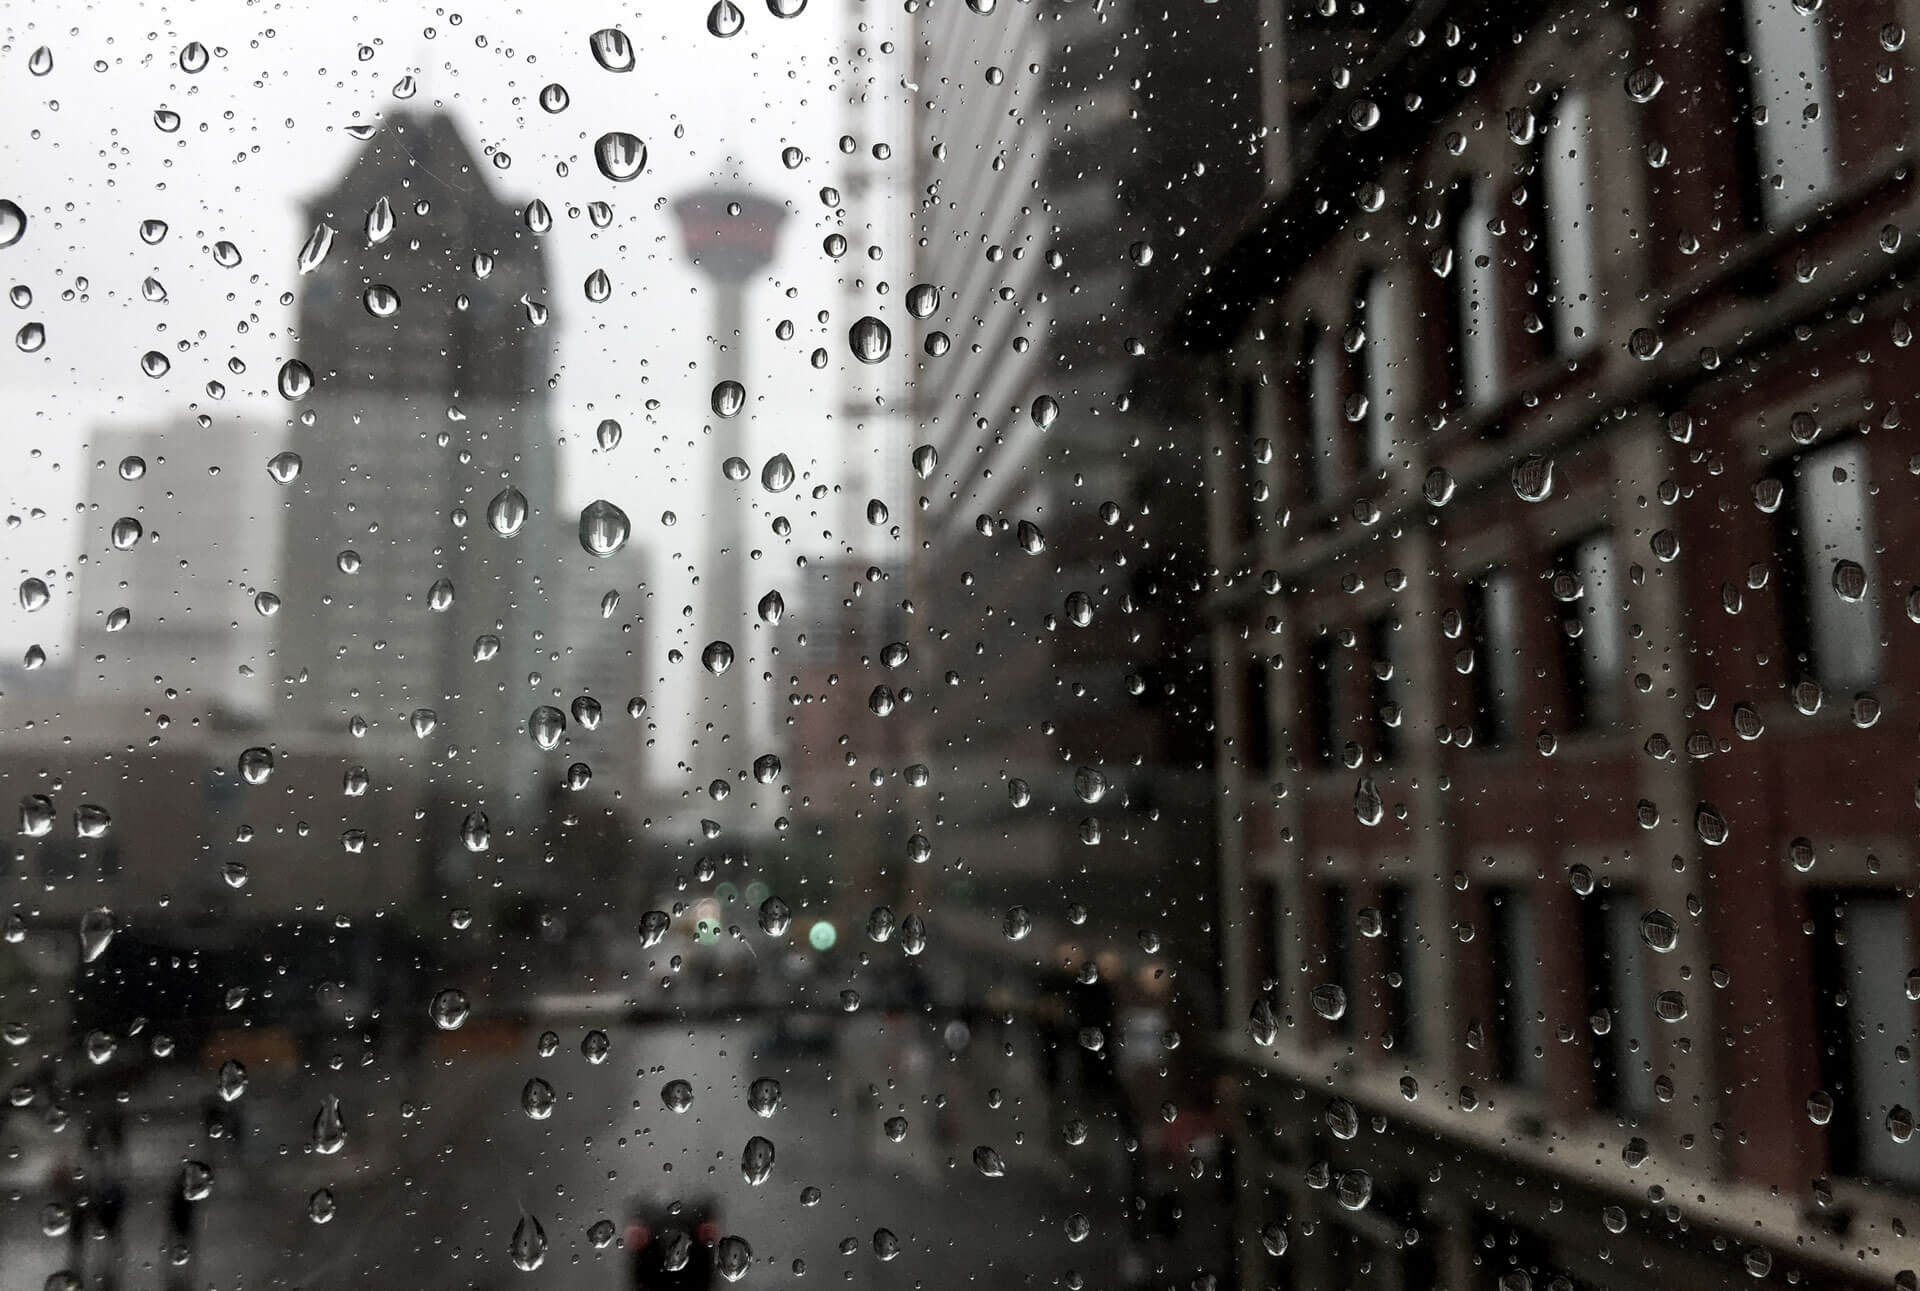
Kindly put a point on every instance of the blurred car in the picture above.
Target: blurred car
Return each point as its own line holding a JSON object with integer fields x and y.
{"x": 670, "y": 1244}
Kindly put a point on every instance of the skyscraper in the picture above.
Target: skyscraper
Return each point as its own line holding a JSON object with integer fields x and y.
{"x": 422, "y": 327}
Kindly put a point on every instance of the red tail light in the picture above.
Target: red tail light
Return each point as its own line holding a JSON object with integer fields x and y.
{"x": 708, "y": 1233}
{"x": 638, "y": 1235}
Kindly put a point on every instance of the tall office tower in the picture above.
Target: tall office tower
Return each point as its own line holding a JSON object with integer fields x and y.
{"x": 405, "y": 600}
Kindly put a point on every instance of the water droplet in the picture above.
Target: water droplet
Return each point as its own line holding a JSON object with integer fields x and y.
{"x": 729, "y": 397}
{"x": 620, "y": 156}
{"x": 536, "y": 1099}
{"x": 449, "y": 1009}
{"x": 732, "y": 1257}
{"x": 1368, "y": 807}
{"x": 766, "y": 768}
{"x": 603, "y": 528}
{"x": 296, "y": 380}
{"x": 777, "y": 475}
{"x": 155, "y": 364}
{"x": 34, "y": 594}
{"x": 1018, "y": 923}
{"x": 507, "y": 512}
{"x": 266, "y": 604}
{"x": 554, "y": 97}
{"x": 607, "y": 435}
{"x": 1710, "y": 825}
{"x": 1262, "y": 1026}
{"x": 926, "y": 460}
{"x": 1670, "y": 1006}
{"x": 546, "y": 724}
{"x": 772, "y": 608}
{"x": 31, "y": 337}
{"x": 256, "y": 765}
{"x": 166, "y": 120}
{"x": 36, "y": 815}
{"x": 988, "y": 1162}
{"x": 1643, "y": 83}
{"x": 1849, "y": 580}
{"x": 923, "y": 299}
{"x": 475, "y": 832}
{"x": 97, "y": 927}
{"x": 786, "y": 8}
{"x": 1644, "y": 343}
{"x": 725, "y": 19}
{"x": 1533, "y": 479}
{"x": 152, "y": 232}
{"x": 756, "y": 1160}
{"x": 529, "y": 1245}
{"x": 380, "y": 300}
{"x": 595, "y": 1047}
{"x": 1329, "y": 1000}
{"x": 226, "y": 254}
{"x": 318, "y": 246}
{"x": 601, "y": 1233}
{"x": 871, "y": 340}
{"x": 763, "y": 1096}
{"x": 717, "y": 657}
{"x": 329, "y": 1127}
{"x": 231, "y": 1080}
{"x": 1659, "y": 930}
{"x": 40, "y": 61}
{"x": 599, "y": 287}
{"x": 611, "y": 49}
{"x": 676, "y": 1096}
{"x": 775, "y": 917}
{"x": 653, "y": 927}
{"x": 379, "y": 222}
{"x": 320, "y": 1206}
{"x": 539, "y": 219}
{"x": 193, "y": 58}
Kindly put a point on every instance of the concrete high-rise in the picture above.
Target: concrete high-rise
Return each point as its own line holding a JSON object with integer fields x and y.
{"x": 404, "y": 607}
{"x": 1072, "y": 162}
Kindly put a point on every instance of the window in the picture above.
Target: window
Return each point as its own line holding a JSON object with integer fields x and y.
{"x": 1402, "y": 945}
{"x": 1383, "y": 710}
{"x": 1619, "y": 1002}
{"x": 1862, "y": 956}
{"x": 1336, "y": 929}
{"x": 1258, "y": 747}
{"x": 1592, "y": 631}
{"x": 1831, "y": 604}
{"x": 1513, "y": 949}
{"x": 1476, "y": 344}
{"x": 1567, "y": 159}
{"x": 1325, "y": 414}
{"x": 1788, "y": 87}
{"x": 1383, "y": 368}
{"x": 1323, "y": 703}
{"x": 1491, "y": 628}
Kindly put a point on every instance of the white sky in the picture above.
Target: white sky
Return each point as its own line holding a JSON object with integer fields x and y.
{"x": 264, "y": 127}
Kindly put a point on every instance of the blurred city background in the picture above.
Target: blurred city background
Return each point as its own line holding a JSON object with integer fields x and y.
{"x": 1064, "y": 643}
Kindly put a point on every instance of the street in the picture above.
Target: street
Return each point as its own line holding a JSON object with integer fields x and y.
{"x": 442, "y": 1162}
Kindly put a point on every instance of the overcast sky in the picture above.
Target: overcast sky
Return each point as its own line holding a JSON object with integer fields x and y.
{"x": 264, "y": 125}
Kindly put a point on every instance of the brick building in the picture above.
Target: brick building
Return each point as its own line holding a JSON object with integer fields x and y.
{"x": 1555, "y": 408}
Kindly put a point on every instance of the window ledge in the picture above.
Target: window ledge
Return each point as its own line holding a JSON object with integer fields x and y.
{"x": 1745, "y": 1212}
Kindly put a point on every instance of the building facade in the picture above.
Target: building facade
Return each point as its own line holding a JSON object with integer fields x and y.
{"x": 1073, "y": 160}
{"x": 1554, "y": 413}
{"x": 406, "y": 637}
